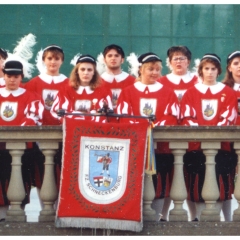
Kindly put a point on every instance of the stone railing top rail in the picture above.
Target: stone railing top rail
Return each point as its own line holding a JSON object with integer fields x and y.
{"x": 195, "y": 133}
{"x": 163, "y": 133}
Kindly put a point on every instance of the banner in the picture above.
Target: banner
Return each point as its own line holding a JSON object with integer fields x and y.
{"x": 102, "y": 175}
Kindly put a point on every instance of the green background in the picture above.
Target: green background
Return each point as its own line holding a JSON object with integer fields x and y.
{"x": 137, "y": 28}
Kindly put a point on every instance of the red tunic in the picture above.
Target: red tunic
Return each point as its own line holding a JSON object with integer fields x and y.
{"x": 83, "y": 100}
{"x": 20, "y": 108}
{"x": 236, "y": 88}
{"x": 143, "y": 100}
{"x": 47, "y": 87}
{"x": 116, "y": 83}
{"x": 179, "y": 84}
{"x": 209, "y": 105}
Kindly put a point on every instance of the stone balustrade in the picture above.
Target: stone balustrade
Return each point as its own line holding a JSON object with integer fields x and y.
{"x": 48, "y": 138}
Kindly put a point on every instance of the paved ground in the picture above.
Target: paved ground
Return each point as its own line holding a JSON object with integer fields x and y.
{"x": 33, "y": 208}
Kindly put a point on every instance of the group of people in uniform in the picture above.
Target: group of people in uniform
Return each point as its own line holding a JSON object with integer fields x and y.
{"x": 181, "y": 97}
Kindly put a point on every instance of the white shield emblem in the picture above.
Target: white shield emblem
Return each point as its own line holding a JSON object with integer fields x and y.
{"x": 148, "y": 106}
{"x": 83, "y": 106}
{"x": 103, "y": 168}
{"x": 9, "y": 110}
{"x": 115, "y": 94}
{"x": 209, "y": 108}
{"x": 48, "y": 96}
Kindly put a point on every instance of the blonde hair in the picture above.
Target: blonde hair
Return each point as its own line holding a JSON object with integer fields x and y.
{"x": 75, "y": 81}
{"x": 147, "y": 65}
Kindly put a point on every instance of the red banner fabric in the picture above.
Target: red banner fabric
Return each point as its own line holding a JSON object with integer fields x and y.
{"x": 102, "y": 175}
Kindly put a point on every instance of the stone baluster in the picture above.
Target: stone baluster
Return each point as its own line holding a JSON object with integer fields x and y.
{"x": 178, "y": 192}
{"x": 48, "y": 193}
{"x": 148, "y": 195}
{"x": 16, "y": 192}
{"x": 236, "y": 213}
{"x": 210, "y": 191}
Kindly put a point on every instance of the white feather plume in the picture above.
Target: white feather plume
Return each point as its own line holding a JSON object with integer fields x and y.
{"x": 132, "y": 59}
{"x": 196, "y": 65}
{"x": 39, "y": 62}
{"x": 27, "y": 67}
{"x": 75, "y": 58}
{"x": 23, "y": 52}
{"x": 24, "y": 47}
{"x": 101, "y": 66}
{"x": 168, "y": 64}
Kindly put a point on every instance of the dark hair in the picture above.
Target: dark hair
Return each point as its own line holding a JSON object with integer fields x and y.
{"x": 55, "y": 50}
{"x": 228, "y": 78}
{"x": 115, "y": 47}
{"x": 3, "y": 53}
{"x": 209, "y": 60}
{"x": 183, "y": 49}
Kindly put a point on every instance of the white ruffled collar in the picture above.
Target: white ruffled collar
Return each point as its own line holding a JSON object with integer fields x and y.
{"x": 213, "y": 88}
{"x": 49, "y": 79}
{"x": 236, "y": 86}
{"x": 87, "y": 89}
{"x": 119, "y": 78}
{"x": 177, "y": 78}
{"x": 151, "y": 87}
{"x": 5, "y": 93}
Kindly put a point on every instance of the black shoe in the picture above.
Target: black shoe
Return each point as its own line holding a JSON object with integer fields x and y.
{"x": 2, "y": 220}
{"x": 195, "y": 220}
{"x": 162, "y": 220}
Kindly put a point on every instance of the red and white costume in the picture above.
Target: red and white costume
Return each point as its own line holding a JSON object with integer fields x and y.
{"x": 204, "y": 105}
{"x": 116, "y": 83}
{"x": 47, "y": 87}
{"x": 236, "y": 88}
{"x": 144, "y": 100}
{"x": 17, "y": 108}
{"x": 214, "y": 105}
{"x": 82, "y": 100}
{"x": 179, "y": 84}
{"x": 20, "y": 108}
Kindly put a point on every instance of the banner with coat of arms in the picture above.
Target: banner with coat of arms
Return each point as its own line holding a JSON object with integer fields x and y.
{"x": 102, "y": 175}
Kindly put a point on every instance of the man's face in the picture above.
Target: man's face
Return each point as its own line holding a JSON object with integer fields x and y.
{"x": 113, "y": 60}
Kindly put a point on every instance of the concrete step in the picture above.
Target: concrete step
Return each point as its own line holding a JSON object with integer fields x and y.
{"x": 149, "y": 229}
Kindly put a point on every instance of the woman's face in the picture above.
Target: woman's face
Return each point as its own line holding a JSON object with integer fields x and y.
{"x": 209, "y": 74}
{"x": 234, "y": 68}
{"x": 85, "y": 73}
{"x": 12, "y": 82}
{"x": 53, "y": 63}
{"x": 179, "y": 63}
{"x": 150, "y": 72}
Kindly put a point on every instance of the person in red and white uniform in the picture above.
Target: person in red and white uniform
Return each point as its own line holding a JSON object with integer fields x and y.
{"x": 18, "y": 107}
{"x": 3, "y": 56}
{"x": 180, "y": 79}
{"x": 85, "y": 93}
{"x": 232, "y": 76}
{"x": 113, "y": 77}
{"x": 232, "y": 79}
{"x": 209, "y": 103}
{"x": 50, "y": 81}
{"x": 47, "y": 84}
{"x": 145, "y": 97}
